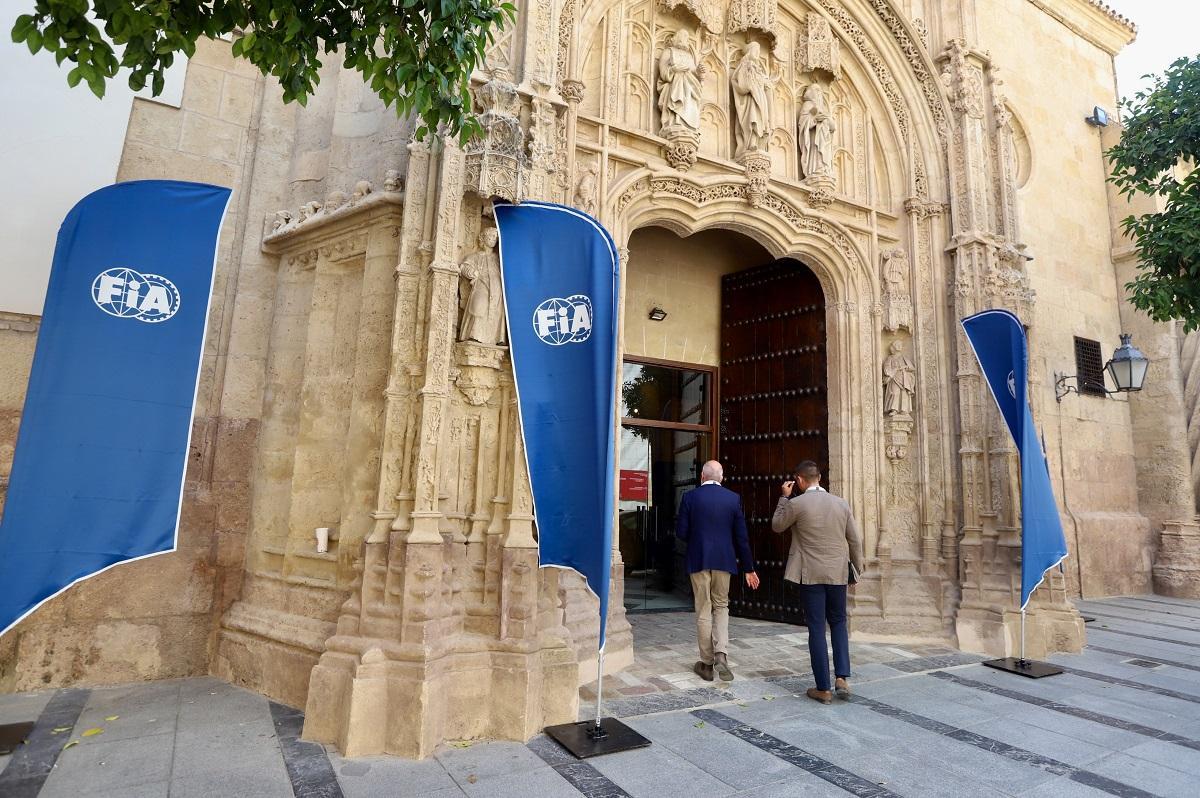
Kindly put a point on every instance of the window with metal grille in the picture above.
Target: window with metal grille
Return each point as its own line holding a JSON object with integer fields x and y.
{"x": 1089, "y": 366}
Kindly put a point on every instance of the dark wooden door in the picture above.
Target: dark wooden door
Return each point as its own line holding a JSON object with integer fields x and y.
{"x": 773, "y": 411}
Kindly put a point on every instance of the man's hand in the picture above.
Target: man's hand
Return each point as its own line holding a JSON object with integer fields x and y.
{"x": 786, "y": 488}
{"x": 752, "y": 580}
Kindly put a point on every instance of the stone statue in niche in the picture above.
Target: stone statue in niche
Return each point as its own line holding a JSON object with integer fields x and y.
{"x": 752, "y": 82}
{"x": 680, "y": 72}
{"x": 897, "y": 304}
{"x": 679, "y": 76}
{"x": 816, "y": 129}
{"x": 899, "y": 382}
{"x": 482, "y": 299}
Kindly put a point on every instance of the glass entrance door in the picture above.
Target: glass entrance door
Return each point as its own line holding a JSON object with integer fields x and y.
{"x": 666, "y": 436}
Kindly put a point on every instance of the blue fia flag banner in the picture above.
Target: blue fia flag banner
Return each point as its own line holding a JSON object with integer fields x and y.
{"x": 560, "y": 273}
{"x": 998, "y": 338}
{"x": 97, "y": 477}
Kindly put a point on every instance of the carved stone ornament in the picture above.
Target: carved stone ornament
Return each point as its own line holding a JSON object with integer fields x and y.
{"x": 478, "y": 370}
{"x": 585, "y": 191}
{"x": 710, "y": 13}
{"x": 899, "y": 382}
{"x": 815, "y": 128}
{"x": 758, "y": 174}
{"x": 897, "y": 302}
{"x": 752, "y": 15}
{"x": 897, "y": 431}
{"x": 752, "y": 83}
{"x": 496, "y": 160}
{"x": 817, "y": 49}
{"x": 680, "y": 74}
{"x": 572, "y": 91}
{"x": 543, "y": 134}
{"x": 820, "y": 198}
{"x": 481, "y": 299}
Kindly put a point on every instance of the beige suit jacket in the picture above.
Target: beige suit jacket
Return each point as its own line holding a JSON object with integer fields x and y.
{"x": 825, "y": 538}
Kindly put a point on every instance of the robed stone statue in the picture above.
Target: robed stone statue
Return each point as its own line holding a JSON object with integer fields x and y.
{"x": 679, "y": 76}
{"x": 899, "y": 382}
{"x": 482, "y": 297}
{"x": 816, "y": 129}
{"x": 752, "y": 83}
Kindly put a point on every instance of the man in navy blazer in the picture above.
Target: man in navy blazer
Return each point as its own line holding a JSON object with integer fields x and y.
{"x": 712, "y": 524}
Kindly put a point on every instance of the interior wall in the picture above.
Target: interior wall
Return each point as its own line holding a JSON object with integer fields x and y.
{"x": 683, "y": 277}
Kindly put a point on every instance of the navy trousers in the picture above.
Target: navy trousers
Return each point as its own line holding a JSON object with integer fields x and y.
{"x": 827, "y": 604}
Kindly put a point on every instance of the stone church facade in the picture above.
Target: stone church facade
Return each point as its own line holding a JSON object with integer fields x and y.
{"x": 919, "y": 160}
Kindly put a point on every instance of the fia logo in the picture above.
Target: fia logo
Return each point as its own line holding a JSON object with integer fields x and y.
{"x": 128, "y": 294}
{"x": 563, "y": 321}
{"x": 1012, "y": 384}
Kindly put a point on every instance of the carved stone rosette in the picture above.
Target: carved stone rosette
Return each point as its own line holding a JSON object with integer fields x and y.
{"x": 681, "y": 147}
{"x": 496, "y": 161}
{"x": 758, "y": 174}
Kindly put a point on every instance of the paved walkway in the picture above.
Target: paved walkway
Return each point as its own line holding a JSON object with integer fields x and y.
{"x": 1124, "y": 720}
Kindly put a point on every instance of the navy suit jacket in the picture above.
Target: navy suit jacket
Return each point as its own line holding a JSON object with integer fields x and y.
{"x": 712, "y": 524}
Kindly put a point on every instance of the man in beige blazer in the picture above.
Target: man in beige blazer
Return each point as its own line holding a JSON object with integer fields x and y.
{"x": 825, "y": 542}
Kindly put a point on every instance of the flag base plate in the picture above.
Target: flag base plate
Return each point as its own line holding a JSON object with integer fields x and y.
{"x": 583, "y": 740}
{"x": 1024, "y": 667}
{"x": 13, "y": 734}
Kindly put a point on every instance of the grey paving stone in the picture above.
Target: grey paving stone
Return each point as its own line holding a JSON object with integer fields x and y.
{"x": 706, "y": 746}
{"x": 1114, "y": 739}
{"x": 1063, "y": 788}
{"x": 242, "y": 782}
{"x": 1047, "y": 743}
{"x": 201, "y": 751}
{"x": 658, "y": 772}
{"x": 1129, "y": 708}
{"x": 906, "y": 774}
{"x": 402, "y": 778}
{"x": 544, "y": 783}
{"x": 160, "y": 789}
{"x": 132, "y": 722}
{"x": 846, "y": 730}
{"x": 20, "y": 707}
{"x": 1176, "y": 757}
{"x": 96, "y": 764}
{"x": 487, "y": 760}
{"x": 976, "y": 766}
{"x": 801, "y": 784}
{"x": 1146, "y": 775}
{"x": 958, "y": 709}
{"x": 770, "y": 706}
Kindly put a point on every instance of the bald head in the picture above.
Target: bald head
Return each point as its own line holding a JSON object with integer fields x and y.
{"x": 713, "y": 471}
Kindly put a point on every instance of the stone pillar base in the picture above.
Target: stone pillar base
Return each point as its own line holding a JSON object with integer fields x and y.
{"x": 1177, "y": 564}
{"x": 383, "y": 702}
{"x": 1049, "y": 629}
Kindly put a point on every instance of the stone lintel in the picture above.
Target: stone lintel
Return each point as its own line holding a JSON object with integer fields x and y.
{"x": 323, "y": 227}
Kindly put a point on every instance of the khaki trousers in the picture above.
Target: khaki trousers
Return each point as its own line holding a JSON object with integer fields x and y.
{"x": 711, "y": 590}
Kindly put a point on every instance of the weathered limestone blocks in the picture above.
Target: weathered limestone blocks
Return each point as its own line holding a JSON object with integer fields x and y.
{"x": 1177, "y": 564}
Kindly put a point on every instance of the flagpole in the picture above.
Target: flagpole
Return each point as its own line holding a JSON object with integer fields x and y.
{"x": 1022, "y": 635}
{"x": 597, "y": 733}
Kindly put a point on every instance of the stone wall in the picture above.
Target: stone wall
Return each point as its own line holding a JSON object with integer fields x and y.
{"x": 18, "y": 336}
{"x": 153, "y": 619}
{"x": 1089, "y": 439}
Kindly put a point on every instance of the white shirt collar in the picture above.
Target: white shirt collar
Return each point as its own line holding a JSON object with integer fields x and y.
{"x": 814, "y": 487}
{"x": 709, "y": 482}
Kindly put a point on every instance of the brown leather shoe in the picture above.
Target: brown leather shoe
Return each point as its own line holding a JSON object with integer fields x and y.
{"x": 842, "y": 688}
{"x": 722, "y": 666}
{"x": 824, "y": 696}
{"x": 704, "y": 671}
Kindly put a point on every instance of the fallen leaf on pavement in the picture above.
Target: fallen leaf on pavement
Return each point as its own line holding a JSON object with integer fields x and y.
{"x": 472, "y": 779}
{"x": 112, "y": 717}
{"x": 699, "y": 725}
{"x": 61, "y": 729}
{"x": 93, "y": 732}
{"x": 68, "y": 745}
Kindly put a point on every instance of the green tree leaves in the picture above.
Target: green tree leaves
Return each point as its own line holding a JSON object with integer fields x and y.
{"x": 1157, "y": 155}
{"x": 417, "y": 55}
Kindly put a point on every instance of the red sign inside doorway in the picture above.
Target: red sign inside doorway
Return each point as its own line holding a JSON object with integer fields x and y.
{"x": 635, "y": 485}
